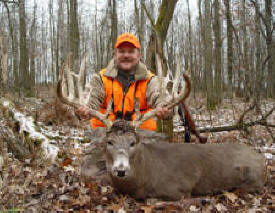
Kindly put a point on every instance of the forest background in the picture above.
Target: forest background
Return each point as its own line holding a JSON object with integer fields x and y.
{"x": 229, "y": 45}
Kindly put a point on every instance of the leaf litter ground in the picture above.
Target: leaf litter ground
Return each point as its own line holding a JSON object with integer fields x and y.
{"x": 35, "y": 185}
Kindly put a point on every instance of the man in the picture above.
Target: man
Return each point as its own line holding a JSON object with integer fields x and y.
{"x": 125, "y": 79}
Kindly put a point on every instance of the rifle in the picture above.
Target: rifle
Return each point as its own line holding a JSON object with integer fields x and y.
{"x": 189, "y": 124}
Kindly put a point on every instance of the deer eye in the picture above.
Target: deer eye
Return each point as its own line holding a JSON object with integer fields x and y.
{"x": 110, "y": 143}
{"x": 132, "y": 144}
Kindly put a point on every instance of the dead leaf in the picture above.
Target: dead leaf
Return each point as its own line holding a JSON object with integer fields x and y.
{"x": 67, "y": 162}
{"x": 64, "y": 199}
{"x": 193, "y": 208}
{"x": 220, "y": 207}
{"x": 147, "y": 208}
{"x": 231, "y": 196}
{"x": 114, "y": 207}
{"x": 68, "y": 168}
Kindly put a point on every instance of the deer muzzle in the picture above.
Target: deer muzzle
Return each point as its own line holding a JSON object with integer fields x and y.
{"x": 121, "y": 166}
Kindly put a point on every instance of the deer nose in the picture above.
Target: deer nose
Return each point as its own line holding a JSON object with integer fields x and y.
{"x": 121, "y": 173}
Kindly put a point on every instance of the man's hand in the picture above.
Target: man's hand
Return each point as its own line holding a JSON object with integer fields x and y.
{"x": 163, "y": 113}
{"x": 83, "y": 112}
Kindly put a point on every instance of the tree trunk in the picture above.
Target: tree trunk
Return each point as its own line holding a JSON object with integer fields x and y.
{"x": 258, "y": 71}
{"x": 245, "y": 54}
{"x": 25, "y": 81}
{"x": 141, "y": 32}
{"x": 139, "y": 21}
{"x": 229, "y": 47}
{"x": 3, "y": 60}
{"x": 74, "y": 35}
{"x": 13, "y": 47}
{"x": 208, "y": 58}
{"x": 273, "y": 59}
{"x": 114, "y": 23}
{"x": 201, "y": 48}
{"x": 190, "y": 38}
{"x": 218, "y": 53}
{"x": 157, "y": 39}
{"x": 33, "y": 47}
{"x": 52, "y": 33}
{"x": 268, "y": 21}
{"x": 161, "y": 27}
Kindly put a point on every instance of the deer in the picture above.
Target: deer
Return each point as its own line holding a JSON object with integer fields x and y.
{"x": 171, "y": 171}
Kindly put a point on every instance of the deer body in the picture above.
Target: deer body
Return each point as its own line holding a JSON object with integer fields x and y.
{"x": 171, "y": 171}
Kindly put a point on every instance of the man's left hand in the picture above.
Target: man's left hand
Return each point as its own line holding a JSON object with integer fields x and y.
{"x": 163, "y": 113}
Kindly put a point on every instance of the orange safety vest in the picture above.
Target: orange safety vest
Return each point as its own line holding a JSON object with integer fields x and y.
{"x": 125, "y": 102}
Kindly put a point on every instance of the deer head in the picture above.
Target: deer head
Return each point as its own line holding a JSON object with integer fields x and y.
{"x": 121, "y": 144}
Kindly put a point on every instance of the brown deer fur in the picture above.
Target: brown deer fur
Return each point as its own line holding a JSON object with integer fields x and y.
{"x": 170, "y": 171}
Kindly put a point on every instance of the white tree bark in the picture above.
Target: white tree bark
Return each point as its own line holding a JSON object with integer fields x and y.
{"x": 3, "y": 58}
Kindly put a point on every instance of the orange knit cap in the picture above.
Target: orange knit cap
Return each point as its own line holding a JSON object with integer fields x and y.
{"x": 127, "y": 37}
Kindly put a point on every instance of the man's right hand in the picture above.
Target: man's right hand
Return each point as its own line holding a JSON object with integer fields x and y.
{"x": 83, "y": 112}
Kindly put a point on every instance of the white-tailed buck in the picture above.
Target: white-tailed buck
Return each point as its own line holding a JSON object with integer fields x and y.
{"x": 145, "y": 169}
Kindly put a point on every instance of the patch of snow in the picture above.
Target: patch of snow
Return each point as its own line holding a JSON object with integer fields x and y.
{"x": 27, "y": 124}
{"x": 268, "y": 156}
{"x": 6, "y": 103}
{"x": 77, "y": 146}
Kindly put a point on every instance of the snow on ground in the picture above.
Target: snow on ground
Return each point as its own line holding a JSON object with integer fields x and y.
{"x": 27, "y": 125}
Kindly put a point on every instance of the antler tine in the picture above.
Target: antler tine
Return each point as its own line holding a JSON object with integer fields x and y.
{"x": 103, "y": 117}
{"x": 182, "y": 96}
{"x": 106, "y": 120}
{"x": 136, "y": 122}
{"x": 137, "y": 109}
{"x": 176, "y": 79}
{"x": 75, "y": 102}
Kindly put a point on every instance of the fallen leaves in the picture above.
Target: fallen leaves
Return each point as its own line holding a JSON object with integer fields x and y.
{"x": 38, "y": 186}
{"x": 231, "y": 196}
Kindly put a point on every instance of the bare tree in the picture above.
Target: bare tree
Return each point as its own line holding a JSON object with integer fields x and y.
{"x": 201, "y": 47}
{"x": 156, "y": 42}
{"x": 190, "y": 38}
{"x": 12, "y": 35}
{"x": 259, "y": 71}
{"x": 25, "y": 81}
{"x": 246, "y": 69}
{"x": 229, "y": 27}
{"x": 3, "y": 59}
{"x": 267, "y": 21}
{"x": 114, "y": 23}
{"x": 74, "y": 34}
{"x": 208, "y": 57}
{"x": 32, "y": 53}
{"x": 217, "y": 53}
{"x": 268, "y": 27}
{"x": 52, "y": 40}
{"x": 165, "y": 16}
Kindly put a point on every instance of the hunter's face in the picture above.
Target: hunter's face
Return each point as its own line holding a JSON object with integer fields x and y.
{"x": 126, "y": 57}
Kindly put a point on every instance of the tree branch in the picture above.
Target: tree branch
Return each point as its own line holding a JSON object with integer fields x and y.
{"x": 241, "y": 125}
{"x": 255, "y": 3}
{"x": 245, "y": 112}
{"x": 148, "y": 15}
{"x": 7, "y": 1}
